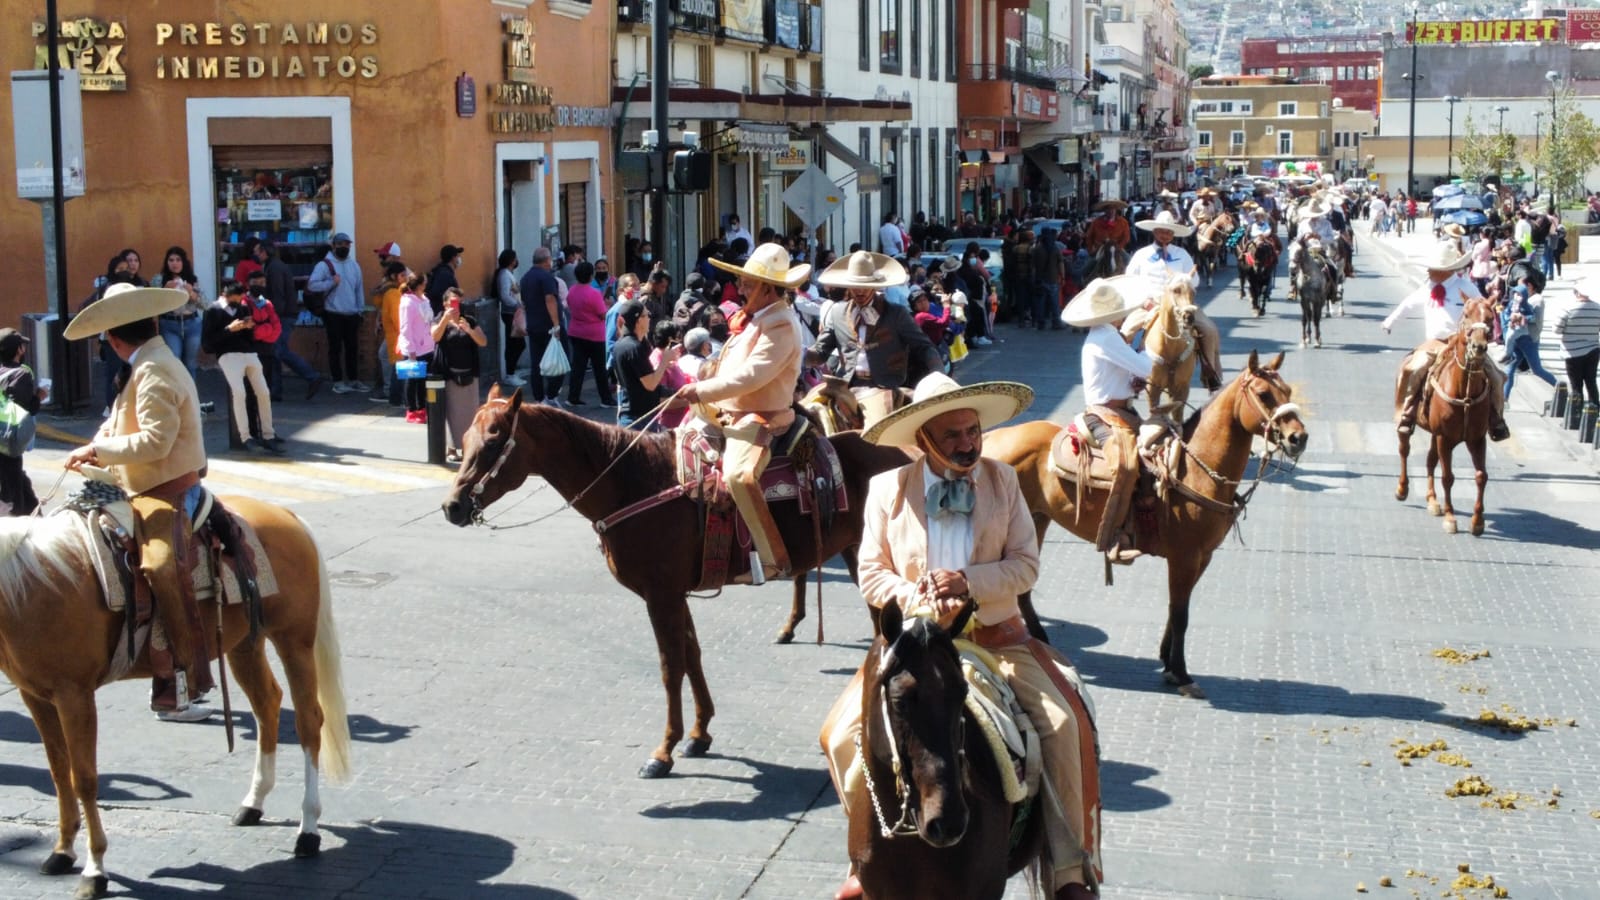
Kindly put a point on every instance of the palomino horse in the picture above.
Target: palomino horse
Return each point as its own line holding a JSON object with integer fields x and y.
{"x": 1258, "y": 260}
{"x": 934, "y": 820}
{"x": 57, "y": 640}
{"x": 654, "y": 547}
{"x": 1171, "y": 337}
{"x": 1313, "y": 281}
{"x": 1454, "y": 411}
{"x": 1211, "y": 245}
{"x": 1203, "y": 502}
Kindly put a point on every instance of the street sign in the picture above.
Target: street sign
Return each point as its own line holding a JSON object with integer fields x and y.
{"x": 30, "y": 113}
{"x": 813, "y": 197}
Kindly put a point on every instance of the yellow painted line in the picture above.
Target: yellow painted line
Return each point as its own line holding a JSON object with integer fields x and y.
{"x": 236, "y": 482}
{"x": 51, "y": 433}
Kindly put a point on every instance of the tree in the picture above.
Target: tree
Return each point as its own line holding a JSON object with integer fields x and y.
{"x": 1200, "y": 70}
{"x": 1481, "y": 154}
{"x": 1572, "y": 151}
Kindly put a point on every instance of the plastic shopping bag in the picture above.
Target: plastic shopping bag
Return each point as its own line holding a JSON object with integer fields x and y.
{"x": 555, "y": 363}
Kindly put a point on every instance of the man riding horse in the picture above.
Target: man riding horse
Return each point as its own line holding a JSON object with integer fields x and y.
{"x": 1314, "y": 221}
{"x": 1204, "y": 208}
{"x": 948, "y": 530}
{"x": 152, "y": 445}
{"x": 1113, "y": 374}
{"x": 877, "y": 341}
{"x": 1442, "y": 299}
{"x": 1107, "y": 227}
{"x": 1155, "y": 265}
{"x": 751, "y": 393}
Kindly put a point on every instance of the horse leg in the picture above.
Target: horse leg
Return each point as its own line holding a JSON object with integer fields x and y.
{"x": 797, "y": 611}
{"x": 1448, "y": 479}
{"x": 80, "y": 724}
{"x": 68, "y": 819}
{"x": 1433, "y": 463}
{"x": 1305, "y": 322}
{"x": 248, "y": 662}
{"x": 1316, "y": 323}
{"x": 1403, "y": 490}
{"x": 667, "y": 619}
{"x": 300, "y": 668}
{"x": 1480, "y": 475}
{"x": 1183, "y": 572}
{"x": 704, "y": 709}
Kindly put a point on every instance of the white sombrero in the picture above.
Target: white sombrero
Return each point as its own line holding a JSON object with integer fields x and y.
{"x": 1165, "y": 221}
{"x": 1106, "y": 300}
{"x": 937, "y": 394}
{"x": 1317, "y": 207}
{"x": 122, "y": 304}
{"x": 1454, "y": 230}
{"x": 1446, "y": 257}
{"x": 863, "y": 269}
{"x": 770, "y": 263}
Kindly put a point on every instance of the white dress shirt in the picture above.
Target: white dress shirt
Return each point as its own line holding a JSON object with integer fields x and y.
{"x": 1438, "y": 322}
{"x": 1110, "y": 365}
{"x": 1147, "y": 264}
{"x": 949, "y": 533}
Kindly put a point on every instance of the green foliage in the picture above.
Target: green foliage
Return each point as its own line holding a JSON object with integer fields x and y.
{"x": 1479, "y": 154}
{"x": 1200, "y": 70}
{"x": 1572, "y": 151}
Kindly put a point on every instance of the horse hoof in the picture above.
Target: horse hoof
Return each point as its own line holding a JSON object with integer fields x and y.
{"x": 1477, "y": 529}
{"x": 696, "y": 748}
{"x": 1450, "y": 526}
{"x": 1401, "y": 493}
{"x": 785, "y": 636}
{"x": 307, "y": 846}
{"x": 655, "y": 768}
{"x": 247, "y": 816}
{"x": 1434, "y": 509}
{"x": 92, "y": 888}
{"x": 1317, "y": 344}
{"x": 57, "y": 864}
{"x": 1191, "y": 691}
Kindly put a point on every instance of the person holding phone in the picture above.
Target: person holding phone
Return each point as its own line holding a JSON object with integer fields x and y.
{"x": 227, "y": 331}
{"x": 458, "y": 339}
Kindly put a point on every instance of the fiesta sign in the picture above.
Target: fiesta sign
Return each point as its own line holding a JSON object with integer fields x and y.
{"x": 1491, "y": 31}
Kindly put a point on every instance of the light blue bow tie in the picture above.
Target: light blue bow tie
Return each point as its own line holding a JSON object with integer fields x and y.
{"x": 950, "y": 496}
{"x": 1163, "y": 256}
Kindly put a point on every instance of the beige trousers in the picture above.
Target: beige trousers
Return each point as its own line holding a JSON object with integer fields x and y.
{"x": 1066, "y": 730}
{"x": 745, "y": 455}
{"x": 237, "y": 368}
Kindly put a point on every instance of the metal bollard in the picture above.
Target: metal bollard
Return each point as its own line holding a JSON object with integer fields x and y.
{"x": 1574, "y": 413}
{"x": 1586, "y": 423}
{"x": 436, "y": 423}
{"x": 1558, "y": 405}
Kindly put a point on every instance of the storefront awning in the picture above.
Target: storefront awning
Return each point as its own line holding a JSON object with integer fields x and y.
{"x": 1045, "y": 158}
{"x": 762, "y": 138}
{"x": 868, "y": 177}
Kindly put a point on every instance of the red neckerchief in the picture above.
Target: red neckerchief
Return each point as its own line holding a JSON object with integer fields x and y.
{"x": 1436, "y": 296}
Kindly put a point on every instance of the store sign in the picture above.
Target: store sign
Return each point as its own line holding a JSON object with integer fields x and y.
{"x": 336, "y": 50}
{"x": 764, "y": 139}
{"x": 466, "y": 96}
{"x": 93, "y": 47}
{"x": 1488, "y": 31}
{"x": 695, "y": 15}
{"x": 743, "y": 20}
{"x": 583, "y": 116}
{"x": 519, "y": 88}
{"x": 30, "y": 105}
{"x": 1583, "y": 26}
{"x": 263, "y": 210}
{"x": 1031, "y": 101}
{"x": 795, "y": 159}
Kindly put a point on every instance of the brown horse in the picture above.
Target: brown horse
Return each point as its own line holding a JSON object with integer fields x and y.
{"x": 1107, "y": 261}
{"x": 832, "y": 403}
{"x": 57, "y": 641}
{"x": 1171, "y": 337}
{"x": 934, "y": 821}
{"x": 656, "y": 552}
{"x": 1211, "y": 244}
{"x": 1258, "y": 261}
{"x": 1204, "y": 497}
{"x": 1455, "y": 411}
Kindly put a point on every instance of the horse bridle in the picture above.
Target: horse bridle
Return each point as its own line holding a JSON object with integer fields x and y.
{"x": 481, "y": 484}
{"x": 907, "y": 823}
{"x": 1271, "y": 432}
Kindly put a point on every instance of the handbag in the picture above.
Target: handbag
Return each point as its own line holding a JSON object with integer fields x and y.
{"x": 16, "y": 423}
{"x": 316, "y": 301}
{"x": 554, "y": 364}
{"x": 519, "y": 322}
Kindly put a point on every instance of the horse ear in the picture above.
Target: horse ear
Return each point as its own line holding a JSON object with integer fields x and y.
{"x": 1253, "y": 363}
{"x": 963, "y": 617}
{"x": 516, "y": 399}
{"x": 494, "y": 391}
{"x": 1276, "y": 362}
{"x": 890, "y": 622}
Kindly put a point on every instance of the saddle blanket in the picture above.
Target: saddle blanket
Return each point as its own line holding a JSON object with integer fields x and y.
{"x": 1012, "y": 739}
{"x": 699, "y": 459}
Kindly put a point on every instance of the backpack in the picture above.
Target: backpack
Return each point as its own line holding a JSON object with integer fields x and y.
{"x": 316, "y": 301}
{"x": 16, "y": 423}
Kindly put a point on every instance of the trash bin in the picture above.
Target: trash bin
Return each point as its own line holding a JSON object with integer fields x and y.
{"x": 65, "y": 363}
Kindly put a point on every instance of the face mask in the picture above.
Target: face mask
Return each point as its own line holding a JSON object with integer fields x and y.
{"x": 647, "y": 256}
{"x": 341, "y": 252}
{"x": 602, "y": 276}
{"x": 719, "y": 332}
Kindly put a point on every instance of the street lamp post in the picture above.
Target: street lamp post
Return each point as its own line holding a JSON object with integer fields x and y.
{"x": 1502, "y": 110}
{"x": 1450, "y": 140}
{"x": 1554, "y": 78}
{"x": 1411, "y": 130}
{"x": 1538, "y": 125}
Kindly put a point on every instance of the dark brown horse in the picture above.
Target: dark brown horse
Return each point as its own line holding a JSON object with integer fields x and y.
{"x": 1201, "y": 504}
{"x": 1455, "y": 411}
{"x": 1258, "y": 261}
{"x": 934, "y": 821}
{"x": 657, "y": 552}
{"x": 1211, "y": 245}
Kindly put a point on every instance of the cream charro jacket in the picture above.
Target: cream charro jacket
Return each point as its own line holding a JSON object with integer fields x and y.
{"x": 759, "y": 366}
{"x": 153, "y": 434}
{"x": 894, "y": 542}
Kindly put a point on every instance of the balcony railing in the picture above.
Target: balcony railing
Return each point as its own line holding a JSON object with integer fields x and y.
{"x": 989, "y": 72}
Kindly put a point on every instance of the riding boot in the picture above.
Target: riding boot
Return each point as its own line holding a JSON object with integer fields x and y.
{"x": 1114, "y": 538}
{"x": 1209, "y": 340}
{"x": 1406, "y": 418}
{"x": 163, "y": 533}
{"x": 1498, "y": 430}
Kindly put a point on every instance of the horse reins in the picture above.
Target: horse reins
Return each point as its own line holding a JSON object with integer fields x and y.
{"x": 1272, "y": 446}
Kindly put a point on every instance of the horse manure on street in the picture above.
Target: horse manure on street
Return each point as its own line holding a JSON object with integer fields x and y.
{"x": 1459, "y": 657}
{"x": 1508, "y": 720}
{"x": 1470, "y": 786}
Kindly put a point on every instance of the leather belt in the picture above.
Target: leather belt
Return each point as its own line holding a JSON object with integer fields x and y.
{"x": 1009, "y": 633}
{"x": 174, "y": 489}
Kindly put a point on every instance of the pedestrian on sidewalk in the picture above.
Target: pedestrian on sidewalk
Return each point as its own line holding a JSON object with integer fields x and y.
{"x": 285, "y": 299}
{"x": 415, "y": 342}
{"x": 227, "y": 333}
{"x": 1518, "y": 321}
{"x": 586, "y": 335}
{"x": 458, "y": 339}
{"x": 181, "y": 327}
{"x": 508, "y": 291}
{"x": 338, "y": 277}
{"x": 386, "y": 325}
{"x": 1578, "y": 327}
{"x": 19, "y": 386}
{"x": 541, "y": 298}
{"x": 443, "y": 276}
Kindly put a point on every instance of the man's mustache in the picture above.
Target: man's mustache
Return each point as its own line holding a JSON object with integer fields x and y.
{"x": 965, "y": 458}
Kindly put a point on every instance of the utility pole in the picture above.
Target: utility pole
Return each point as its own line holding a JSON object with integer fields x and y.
{"x": 64, "y": 390}
{"x": 1411, "y": 132}
{"x": 660, "y": 85}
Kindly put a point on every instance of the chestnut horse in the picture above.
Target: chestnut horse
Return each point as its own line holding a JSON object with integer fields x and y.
{"x": 656, "y": 553}
{"x": 1455, "y": 411}
{"x": 1211, "y": 245}
{"x": 934, "y": 821}
{"x": 57, "y": 641}
{"x": 1204, "y": 499}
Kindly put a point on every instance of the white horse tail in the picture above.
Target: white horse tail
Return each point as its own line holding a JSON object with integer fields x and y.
{"x": 334, "y": 759}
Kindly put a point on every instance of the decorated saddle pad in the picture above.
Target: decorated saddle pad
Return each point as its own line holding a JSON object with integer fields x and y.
{"x": 699, "y": 462}
{"x": 1013, "y": 741}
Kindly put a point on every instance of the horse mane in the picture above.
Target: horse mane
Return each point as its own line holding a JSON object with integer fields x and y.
{"x": 35, "y": 550}
{"x": 651, "y": 468}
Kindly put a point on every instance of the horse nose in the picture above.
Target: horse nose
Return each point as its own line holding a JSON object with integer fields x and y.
{"x": 946, "y": 829}
{"x": 454, "y": 511}
{"x": 1297, "y": 443}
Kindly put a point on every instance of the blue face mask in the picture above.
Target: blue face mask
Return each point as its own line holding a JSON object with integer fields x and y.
{"x": 647, "y": 256}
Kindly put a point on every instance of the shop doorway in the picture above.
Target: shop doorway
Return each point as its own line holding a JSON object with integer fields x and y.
{"x": 519, "y": 215}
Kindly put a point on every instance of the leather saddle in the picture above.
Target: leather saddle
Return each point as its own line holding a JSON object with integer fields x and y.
{"x": 1075, "y": 456}
{"x": 1008, "y": 733}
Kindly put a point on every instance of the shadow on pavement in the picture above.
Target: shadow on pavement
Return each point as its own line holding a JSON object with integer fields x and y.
{"x": 115, "y": 787}
{"x": 391, "y": 859}
{"x": 363, "y": 728}
{"x": 1533, "y": 526}
{"x": 781, "y": 792}
{"x": 17, "y": 728}
{"x": 1120, "y": 790}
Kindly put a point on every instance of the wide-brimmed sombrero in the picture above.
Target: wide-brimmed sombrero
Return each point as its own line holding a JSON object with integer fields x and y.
{"x": 1317, "y": 207}
{"x": 1106, "y": 300}
{"x": 770, "y": 263}
{"x": 1206, "y": 192}
{"x": 1165, "y": 221}
{"x": 122, "y": 304}
{"x": 1446, "y": 257}
{"x": 1105, "y": 205}
{"x": 863, "y": 269}
{"x": 951, "y": 263}
{"x": 994, "y": 402}
{"x": 1454, "y": 230}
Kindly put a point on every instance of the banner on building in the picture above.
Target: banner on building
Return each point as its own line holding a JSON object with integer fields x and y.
{"x": 795, "y": 159}
{"x": 1485, "y": 31}
{"x": 783, "y": 24}
{"x": 695, "y": 15}
{"x": 744, "y": 20}
{"x": 1583, "y": 26}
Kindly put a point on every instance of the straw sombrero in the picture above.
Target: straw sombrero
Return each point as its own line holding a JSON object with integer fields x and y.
{"x": 1166, "y": 195}
{"x": 1106, "y": 300}
{"x": 1446, "y": 257}
{"x": 770, "y": 263}
{"x": 122, "y": 304}
{"x": 1454, "y": 230}
{"x": 1206, "y": 192}
{"x": 994, "y": 402}
{"x": 952, "y": 263}
{"x": 1165, "y": 221}
{"x": 863, "y": 269}
{"x": 1317, "y": 207}
{"x": 1105, "y": 205}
